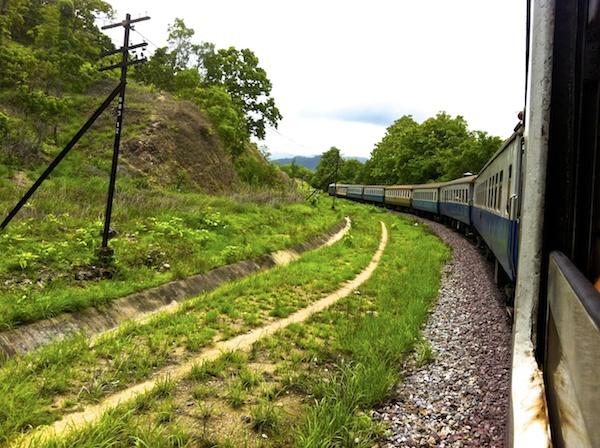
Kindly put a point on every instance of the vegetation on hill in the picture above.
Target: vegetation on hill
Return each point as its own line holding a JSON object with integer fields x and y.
{"x": 307, "y": 162}
{"x": 297, "y": 171}
{"x": 50, "y": 51}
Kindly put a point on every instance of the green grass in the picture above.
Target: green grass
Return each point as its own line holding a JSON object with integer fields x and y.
{"x": 333, "y": 368}
{"x": 49, "y": 262}
{"x": 74, "y": 370}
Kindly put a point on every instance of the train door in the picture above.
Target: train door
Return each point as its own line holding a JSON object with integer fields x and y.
{"x": 570, "y": 350}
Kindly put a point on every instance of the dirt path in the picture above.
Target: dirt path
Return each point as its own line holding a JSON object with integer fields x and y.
{"x": 176, "y": 373}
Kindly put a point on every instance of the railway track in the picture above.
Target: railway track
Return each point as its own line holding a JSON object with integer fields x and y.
{"x": 461, "y": 397}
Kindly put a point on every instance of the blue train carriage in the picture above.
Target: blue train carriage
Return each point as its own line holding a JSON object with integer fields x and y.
{"x": 374, "y": 193}
{"x": 355, "y": 192}
{"x": 398, "y": 195}
{"x": 456, "y": 198}
{"x": 425, "y": 198}
{"x": 495, "y": 211}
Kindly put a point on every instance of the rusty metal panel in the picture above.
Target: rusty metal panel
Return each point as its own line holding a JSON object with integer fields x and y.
{"x": 573, "y": 355}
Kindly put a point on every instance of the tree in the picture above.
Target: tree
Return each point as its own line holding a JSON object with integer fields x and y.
{"x": 326, "y": 169}
{"x": 247, "y": 83}
{"x": 350, "y": 171}
{"x": 441, "y": 148}
{"x": 180, "y": 40}
{"x": 158, "y": 71}
{"x": 296, "y": 171}
{"x": 391, "y": 154}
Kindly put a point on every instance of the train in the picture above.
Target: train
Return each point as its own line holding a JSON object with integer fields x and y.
{"x": 536, "y": 206}
{"x": 486, "y": 205}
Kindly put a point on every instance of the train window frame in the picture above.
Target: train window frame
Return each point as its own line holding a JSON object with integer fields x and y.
{"x": 500, "y": 190}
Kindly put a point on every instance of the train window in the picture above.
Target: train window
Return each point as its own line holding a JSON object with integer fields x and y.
{"x": 494, "y": 182}
{"x": 500, "y": 191}
{"x": 495, "y": 201}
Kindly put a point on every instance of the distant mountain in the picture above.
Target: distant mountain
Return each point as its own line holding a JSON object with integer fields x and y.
{"x": 310, "y": 162}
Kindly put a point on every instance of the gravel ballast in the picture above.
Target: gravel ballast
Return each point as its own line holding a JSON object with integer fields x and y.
{"x": 460, "y": 399}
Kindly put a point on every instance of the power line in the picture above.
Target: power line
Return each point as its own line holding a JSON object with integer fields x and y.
{"x": 286, "y": 137}
{"x": 145, "y": 38}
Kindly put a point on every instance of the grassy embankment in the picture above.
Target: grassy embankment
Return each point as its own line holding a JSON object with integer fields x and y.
{"x": 164, "y": 230}
{"x": 309, "y": 385}
{"x": 40, "y": 387}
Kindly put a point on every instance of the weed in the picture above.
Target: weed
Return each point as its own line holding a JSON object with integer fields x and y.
{"x": 202, "y": 391}
{"x": 163, "y": 387}
{"x": 236, "y": 395}
{"x": 248, "y": 379}
{"x": 423, "y": 352}
{"x": 266, "y": 417}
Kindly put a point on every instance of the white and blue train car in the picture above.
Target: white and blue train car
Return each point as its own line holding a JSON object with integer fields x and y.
{"x": 495, "y": 206}
{"x": 355, "y": 192}
{"x": 456, "y": 198}
{"x": 374, "y": 193}
{"x": 425, "y": 198}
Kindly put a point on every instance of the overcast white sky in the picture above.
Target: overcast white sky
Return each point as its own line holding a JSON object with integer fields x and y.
{"x": 343, "y": 71}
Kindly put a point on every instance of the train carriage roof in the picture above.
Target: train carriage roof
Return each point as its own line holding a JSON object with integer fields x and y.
{"x": 460, "y": 180}
{"x": 399, "y": 187}
{"x": 431, "y": 185}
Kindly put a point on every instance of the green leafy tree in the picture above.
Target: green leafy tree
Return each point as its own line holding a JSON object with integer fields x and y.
{"x": 326, "y": 169}
{"x": 391, "y": 154}
{"x": 296, "y": 171}
{"x": 440, "y": 148}
{"x": 223, "y": 113}
{"x": 247, "y": 83}
{"x": 158, "y": 71}
{"x": 350, "y": 171}
{"x": 180, "y": 40}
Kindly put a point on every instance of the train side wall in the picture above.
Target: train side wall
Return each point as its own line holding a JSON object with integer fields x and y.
{"x": 373, "y": 197}
{"x": 425, "y": 206}
{"x": 460, "y": 212}
{"x": 498, "y": 232}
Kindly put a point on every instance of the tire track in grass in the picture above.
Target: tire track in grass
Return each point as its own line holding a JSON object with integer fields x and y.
{"x": 242, "y": 342}
{"x": 280, "y": 258}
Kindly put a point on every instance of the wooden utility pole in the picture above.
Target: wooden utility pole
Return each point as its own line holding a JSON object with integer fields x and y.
{"x": 105, "y": 251}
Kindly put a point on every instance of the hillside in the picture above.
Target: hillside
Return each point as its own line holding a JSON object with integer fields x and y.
{"x": 173, "y": 143}
{"x": 166, "y": 141}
